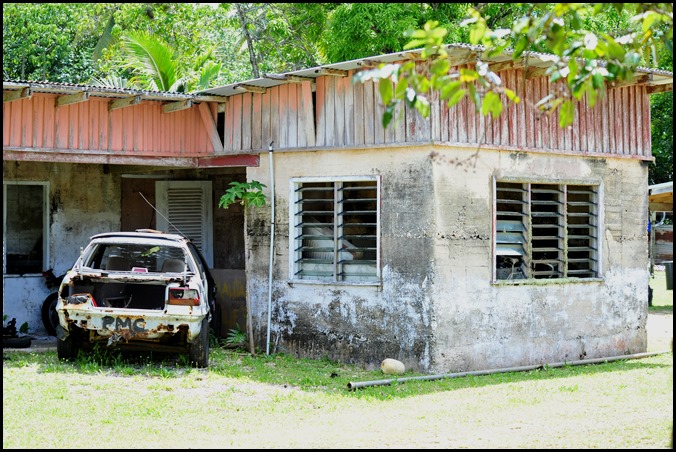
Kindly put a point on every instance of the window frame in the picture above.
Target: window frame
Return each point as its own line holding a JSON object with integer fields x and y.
{"x": 294, "y": 209}
{"x": 205, "y": 242}
{"x": 45, "y": 225}
{"x": 564, "y": 225}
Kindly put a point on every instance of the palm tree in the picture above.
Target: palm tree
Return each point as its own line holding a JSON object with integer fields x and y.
{"x": 156, "y": 66}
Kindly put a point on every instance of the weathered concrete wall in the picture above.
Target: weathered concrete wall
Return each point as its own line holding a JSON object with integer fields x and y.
{"x": 437, "y": 310}
{"x": 82, "y": 201}
{"x": 482, "y": 325}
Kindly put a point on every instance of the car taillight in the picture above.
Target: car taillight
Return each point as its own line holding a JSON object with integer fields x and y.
{"x": 184, "y": 297}
{"x": 80, "y": 298}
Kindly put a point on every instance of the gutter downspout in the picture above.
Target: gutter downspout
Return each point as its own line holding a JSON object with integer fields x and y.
{"x": 272, "y": 243}
{"x": 363, "y": 384}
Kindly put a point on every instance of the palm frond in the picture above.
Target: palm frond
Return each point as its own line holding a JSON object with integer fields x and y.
{"x": 151, "y": 59}
{"x": 112, "y": 81}
{"x": 208, "y": 72}
{"x": 105, "y": 39}
{"x": 202, "y": 59}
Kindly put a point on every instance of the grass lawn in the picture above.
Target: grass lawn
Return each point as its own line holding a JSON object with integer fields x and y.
{"x": 280, "y": 401}
{"x": 663, "y": 299}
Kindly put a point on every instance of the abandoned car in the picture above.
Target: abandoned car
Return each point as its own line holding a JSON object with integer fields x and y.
{"x": 143, "y": 290}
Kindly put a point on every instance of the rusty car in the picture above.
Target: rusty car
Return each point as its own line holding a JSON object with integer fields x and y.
{"x": 141, "y": 290}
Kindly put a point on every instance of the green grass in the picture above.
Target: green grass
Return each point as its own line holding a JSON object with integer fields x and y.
{"x": 663, "y": 299}
{"x": 115, "y": 400}
{"x": 278, "y": 401}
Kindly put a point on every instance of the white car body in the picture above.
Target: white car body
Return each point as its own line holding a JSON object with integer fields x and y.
{"x": 138, "y": 290}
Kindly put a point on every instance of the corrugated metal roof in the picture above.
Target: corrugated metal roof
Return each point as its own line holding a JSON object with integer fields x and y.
{"x": 99, "y": 91}
{"x": 455, "y": 51}
{"x": 460, "y": 53}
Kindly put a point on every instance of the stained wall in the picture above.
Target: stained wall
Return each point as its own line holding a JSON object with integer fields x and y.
{"x": 436, "y": 308}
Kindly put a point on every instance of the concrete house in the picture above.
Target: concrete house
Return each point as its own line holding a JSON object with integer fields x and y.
{"x": 452, "y": 243}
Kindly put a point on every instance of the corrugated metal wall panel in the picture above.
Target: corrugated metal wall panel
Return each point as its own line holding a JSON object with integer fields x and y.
{"x": 142, "y": 129}
{"x": 338, "y": 114}
{"x": 618, "y": 124}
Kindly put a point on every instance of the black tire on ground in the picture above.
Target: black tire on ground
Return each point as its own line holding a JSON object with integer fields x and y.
{"x": 50, "y": 319}
{"x": 16, "y": 342}
{"x": 216, "y": 321}
{"x": 67, "y": 348}
{"x": 198, "y": 351}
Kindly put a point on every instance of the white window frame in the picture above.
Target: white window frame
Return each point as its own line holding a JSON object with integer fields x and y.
{"x": 45, "y": 224}
{"x": 527, "y": 230}
{"x": 205, "y": 212}
{"x": 295, "y": 232}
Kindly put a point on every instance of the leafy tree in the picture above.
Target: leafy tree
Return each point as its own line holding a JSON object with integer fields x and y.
{"x": 662, "y": 124}
{"x": 585, "y": 61}
{"x": 81, "y": 43}
{"x": 277, "y": 37}
{"x": 49, "y": 41}
{"x": 358, "y": 30}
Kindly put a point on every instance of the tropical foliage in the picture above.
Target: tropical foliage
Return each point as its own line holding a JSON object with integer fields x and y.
{"x": 190, "y": 46}
{"x": 583, "y": 59}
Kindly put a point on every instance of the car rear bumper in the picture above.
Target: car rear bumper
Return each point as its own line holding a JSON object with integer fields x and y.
{"x": 131, "y": 324}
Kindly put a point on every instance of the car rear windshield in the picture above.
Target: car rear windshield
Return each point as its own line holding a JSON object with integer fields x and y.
{"x": 137, "y": 258}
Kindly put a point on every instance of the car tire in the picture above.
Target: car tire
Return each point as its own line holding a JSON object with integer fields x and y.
{"x": 67, "y": 347}
{"x": 16, "y": 342}
{"x": 216, "y": 321}
{"x": 50, "y": 319}
{"x": 198, "y": 351}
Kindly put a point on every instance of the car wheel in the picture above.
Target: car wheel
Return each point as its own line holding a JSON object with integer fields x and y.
{"x": 216, "y": 321}
{"x": 50, "y": 319}
{"x": 198, "y": 351}
{"x": 67, "y": 347}
{"x": 16, "y": 342}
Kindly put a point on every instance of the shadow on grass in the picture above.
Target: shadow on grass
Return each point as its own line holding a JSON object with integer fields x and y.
{"x": 321, "y": 375}
{"x": 660, "y": 310}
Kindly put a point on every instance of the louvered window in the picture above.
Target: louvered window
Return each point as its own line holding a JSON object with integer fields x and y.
{"x": 545, "y": 231}
{"x": 185, "y": 208}
{"x": 335, "y": 230}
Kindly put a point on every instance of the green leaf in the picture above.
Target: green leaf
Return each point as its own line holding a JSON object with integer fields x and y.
{"x": 573, "y": 70}
{"x": 456, "y": 97}
{"x": 597, "y": 80}
{"x": 449, "y": 89}
{"x": 400, "y": 88}
{"x": 386, "y": 91}
{"x": 248, "y": 194}
{"x": 477, "y": 33}
{"x": 566, "y": 113}
{"x": 388, "y": 115}
{"x": 491, "y": 104}
{"x": 468, "y": 75}
{"x": 511, "y": 95}
{"x": 440, "y": 66}
{"x": 423, "y": 106}
{"x": 591, "y": 95}
{"x": 615, "y": 51}
{"x": 521, "y": 45}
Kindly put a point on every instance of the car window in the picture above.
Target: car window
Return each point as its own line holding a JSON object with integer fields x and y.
{"x": 137, "y": 257}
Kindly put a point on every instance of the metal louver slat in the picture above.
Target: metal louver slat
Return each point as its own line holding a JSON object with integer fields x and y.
{"x": 187, "y": 208}
{"x": 335, "y": 226}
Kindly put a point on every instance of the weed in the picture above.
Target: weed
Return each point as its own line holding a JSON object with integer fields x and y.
{"x": 236, "y": 336}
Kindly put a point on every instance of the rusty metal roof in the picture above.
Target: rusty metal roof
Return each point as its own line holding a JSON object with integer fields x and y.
{"x": 458, "y": 53}
{"x": 102, "y": 91}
